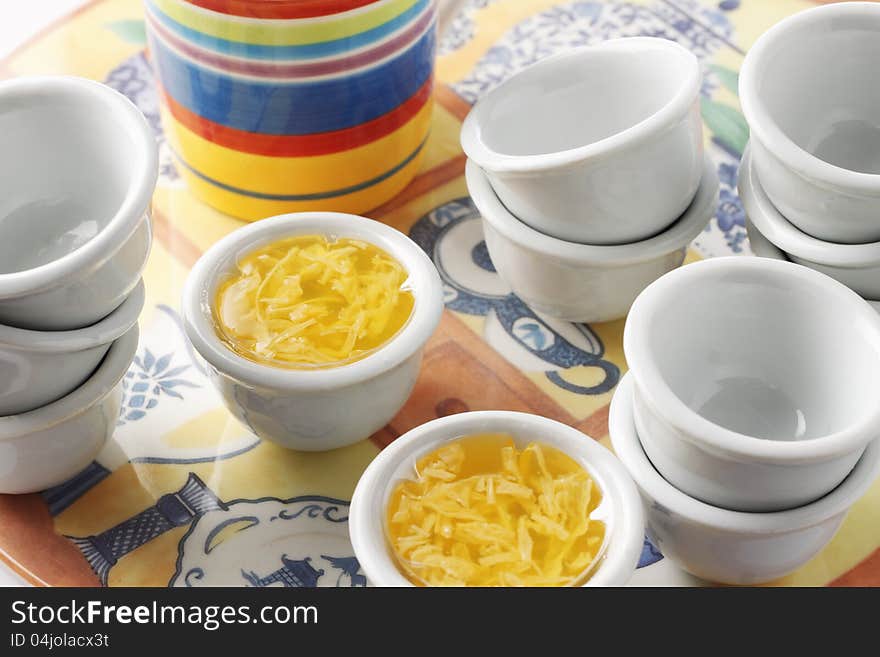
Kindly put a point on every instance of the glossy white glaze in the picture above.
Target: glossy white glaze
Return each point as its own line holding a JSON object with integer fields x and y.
{"x": 764, "y": 248}
{"x": 322, "y": 408}
{"x": 78, "y": 163}
{"x": 620, "y": 507}
{"x": 807, "y": 91}
{"x": 855, "y": 265}
{"x": 600, "y": 145}
{"x": 49, "y": 445}
{"x": 725, "y": 546}
{"x": 39, "y": 367}
{"x": 579, "y": 282}
{"x": 737, "y": 403}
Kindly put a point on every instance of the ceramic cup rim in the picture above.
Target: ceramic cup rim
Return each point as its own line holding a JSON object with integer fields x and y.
{"x": 423, "y": 279}
{"x": 101, "y": 382}
{"x": 677, "y": 236}
{"x": 771, "y": 223}
{"x": 653, "y": 389}
{"x": 105, "y": 330}
{"x": 628, "y": 447}
{"x": 135, "y": 204}
{"x": 766, "y": 130}
{"x": 675, "y": 107}
{"x": 367, "y": 523}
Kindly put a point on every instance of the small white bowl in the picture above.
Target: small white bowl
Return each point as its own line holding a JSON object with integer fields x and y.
{"x": 731, "y": 547}
{"x": 78, "y": 163}
{"x": 620, "y": 507}
{"x": 736, "y": 401}
{"x": 599, "y": 145}
{"x": 38, "y": 367}
{"x": 320, "y": 408}
{"x": 49, "y": 445}
{"x": 580, "y": 282}
{"x": 855, "y": 265}
{"x": 764, "y": 248}
{"x": 808, "y": 91}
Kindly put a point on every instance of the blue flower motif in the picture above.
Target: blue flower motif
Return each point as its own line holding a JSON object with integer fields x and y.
{"x": 148, "y": 379}
{"x": 736, "y": 239}
{"x": 730, "y": 211}
{"x": 728, "y": 174}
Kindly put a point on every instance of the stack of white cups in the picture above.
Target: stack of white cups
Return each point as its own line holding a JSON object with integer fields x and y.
{"x": 78, "y": 164}
{"x": 810, "y": 179}
{"x": 589, "y": 173}
{"x": 748, "y": 444}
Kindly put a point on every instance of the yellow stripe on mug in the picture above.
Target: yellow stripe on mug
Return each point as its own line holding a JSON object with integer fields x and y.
{"x": 297, "y": 175}
{"x": 251, "y": 208}
{"x": 279, "y": 32}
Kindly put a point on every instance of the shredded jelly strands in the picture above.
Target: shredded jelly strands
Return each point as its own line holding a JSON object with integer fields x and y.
{"x": 482, "y": 513}
{"x": 310, "y": 301}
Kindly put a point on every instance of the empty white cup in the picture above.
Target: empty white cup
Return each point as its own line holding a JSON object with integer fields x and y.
{"x": 755, "y": 381}
{"x": 599, "y": 145}
{"x": 78, "y": 164}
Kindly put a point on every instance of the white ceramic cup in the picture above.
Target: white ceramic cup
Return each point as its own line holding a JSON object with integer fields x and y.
{"x": 580, "y": 282}
{"x": 38, "y": 367}
{"x": 855, "y": 265}
{"x": 620, "y": 508}
{"x": 764, "y": 248}
{"x": 320, "y": 408}
{"x": 808, "y": 91}
{"x": 78, "y": 164}
{"x": 725, "y": 546}
{"x": 599, "y": 145}
{"x": 755, "y": 381}
{"x": 46, "y": 446}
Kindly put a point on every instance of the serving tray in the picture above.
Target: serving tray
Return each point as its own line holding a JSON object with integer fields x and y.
{"x": 185, "y": 496}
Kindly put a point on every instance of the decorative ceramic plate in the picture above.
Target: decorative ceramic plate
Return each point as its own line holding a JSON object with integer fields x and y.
{"x": 186, "y": 496}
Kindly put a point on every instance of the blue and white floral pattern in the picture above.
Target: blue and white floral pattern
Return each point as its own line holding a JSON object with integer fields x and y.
{"x": 584, "y": 23}
{"x": 148, "y": 380}
{"x": 462, "y": 28}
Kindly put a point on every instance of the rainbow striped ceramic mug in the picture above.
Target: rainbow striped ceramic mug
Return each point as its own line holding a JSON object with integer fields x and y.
{"x": 295, "y": 105}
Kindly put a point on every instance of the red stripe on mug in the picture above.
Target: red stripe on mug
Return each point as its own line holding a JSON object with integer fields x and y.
{"x": 322, "y": 143}
{"x": 281, "y": 8}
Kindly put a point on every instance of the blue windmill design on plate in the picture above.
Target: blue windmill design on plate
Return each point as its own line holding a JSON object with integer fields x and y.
{"x": 452, "y": 235}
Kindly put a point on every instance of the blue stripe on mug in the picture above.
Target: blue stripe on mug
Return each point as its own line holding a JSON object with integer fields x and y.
{"x": 295, "y": 108}
{"x": 306, "y": 51}
{"x": 316, "y": 196}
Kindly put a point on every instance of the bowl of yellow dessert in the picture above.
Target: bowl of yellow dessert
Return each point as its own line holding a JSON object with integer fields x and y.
{"x": 313, "y": 325}
{"x": 496, "y": 498}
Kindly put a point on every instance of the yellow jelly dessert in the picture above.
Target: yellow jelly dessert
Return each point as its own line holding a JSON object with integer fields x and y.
{"x": 311, "y": 301}
{"x": 483, "y": 513}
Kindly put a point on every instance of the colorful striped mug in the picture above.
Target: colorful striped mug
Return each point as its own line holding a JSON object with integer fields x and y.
{"x": 296, "y": 105}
